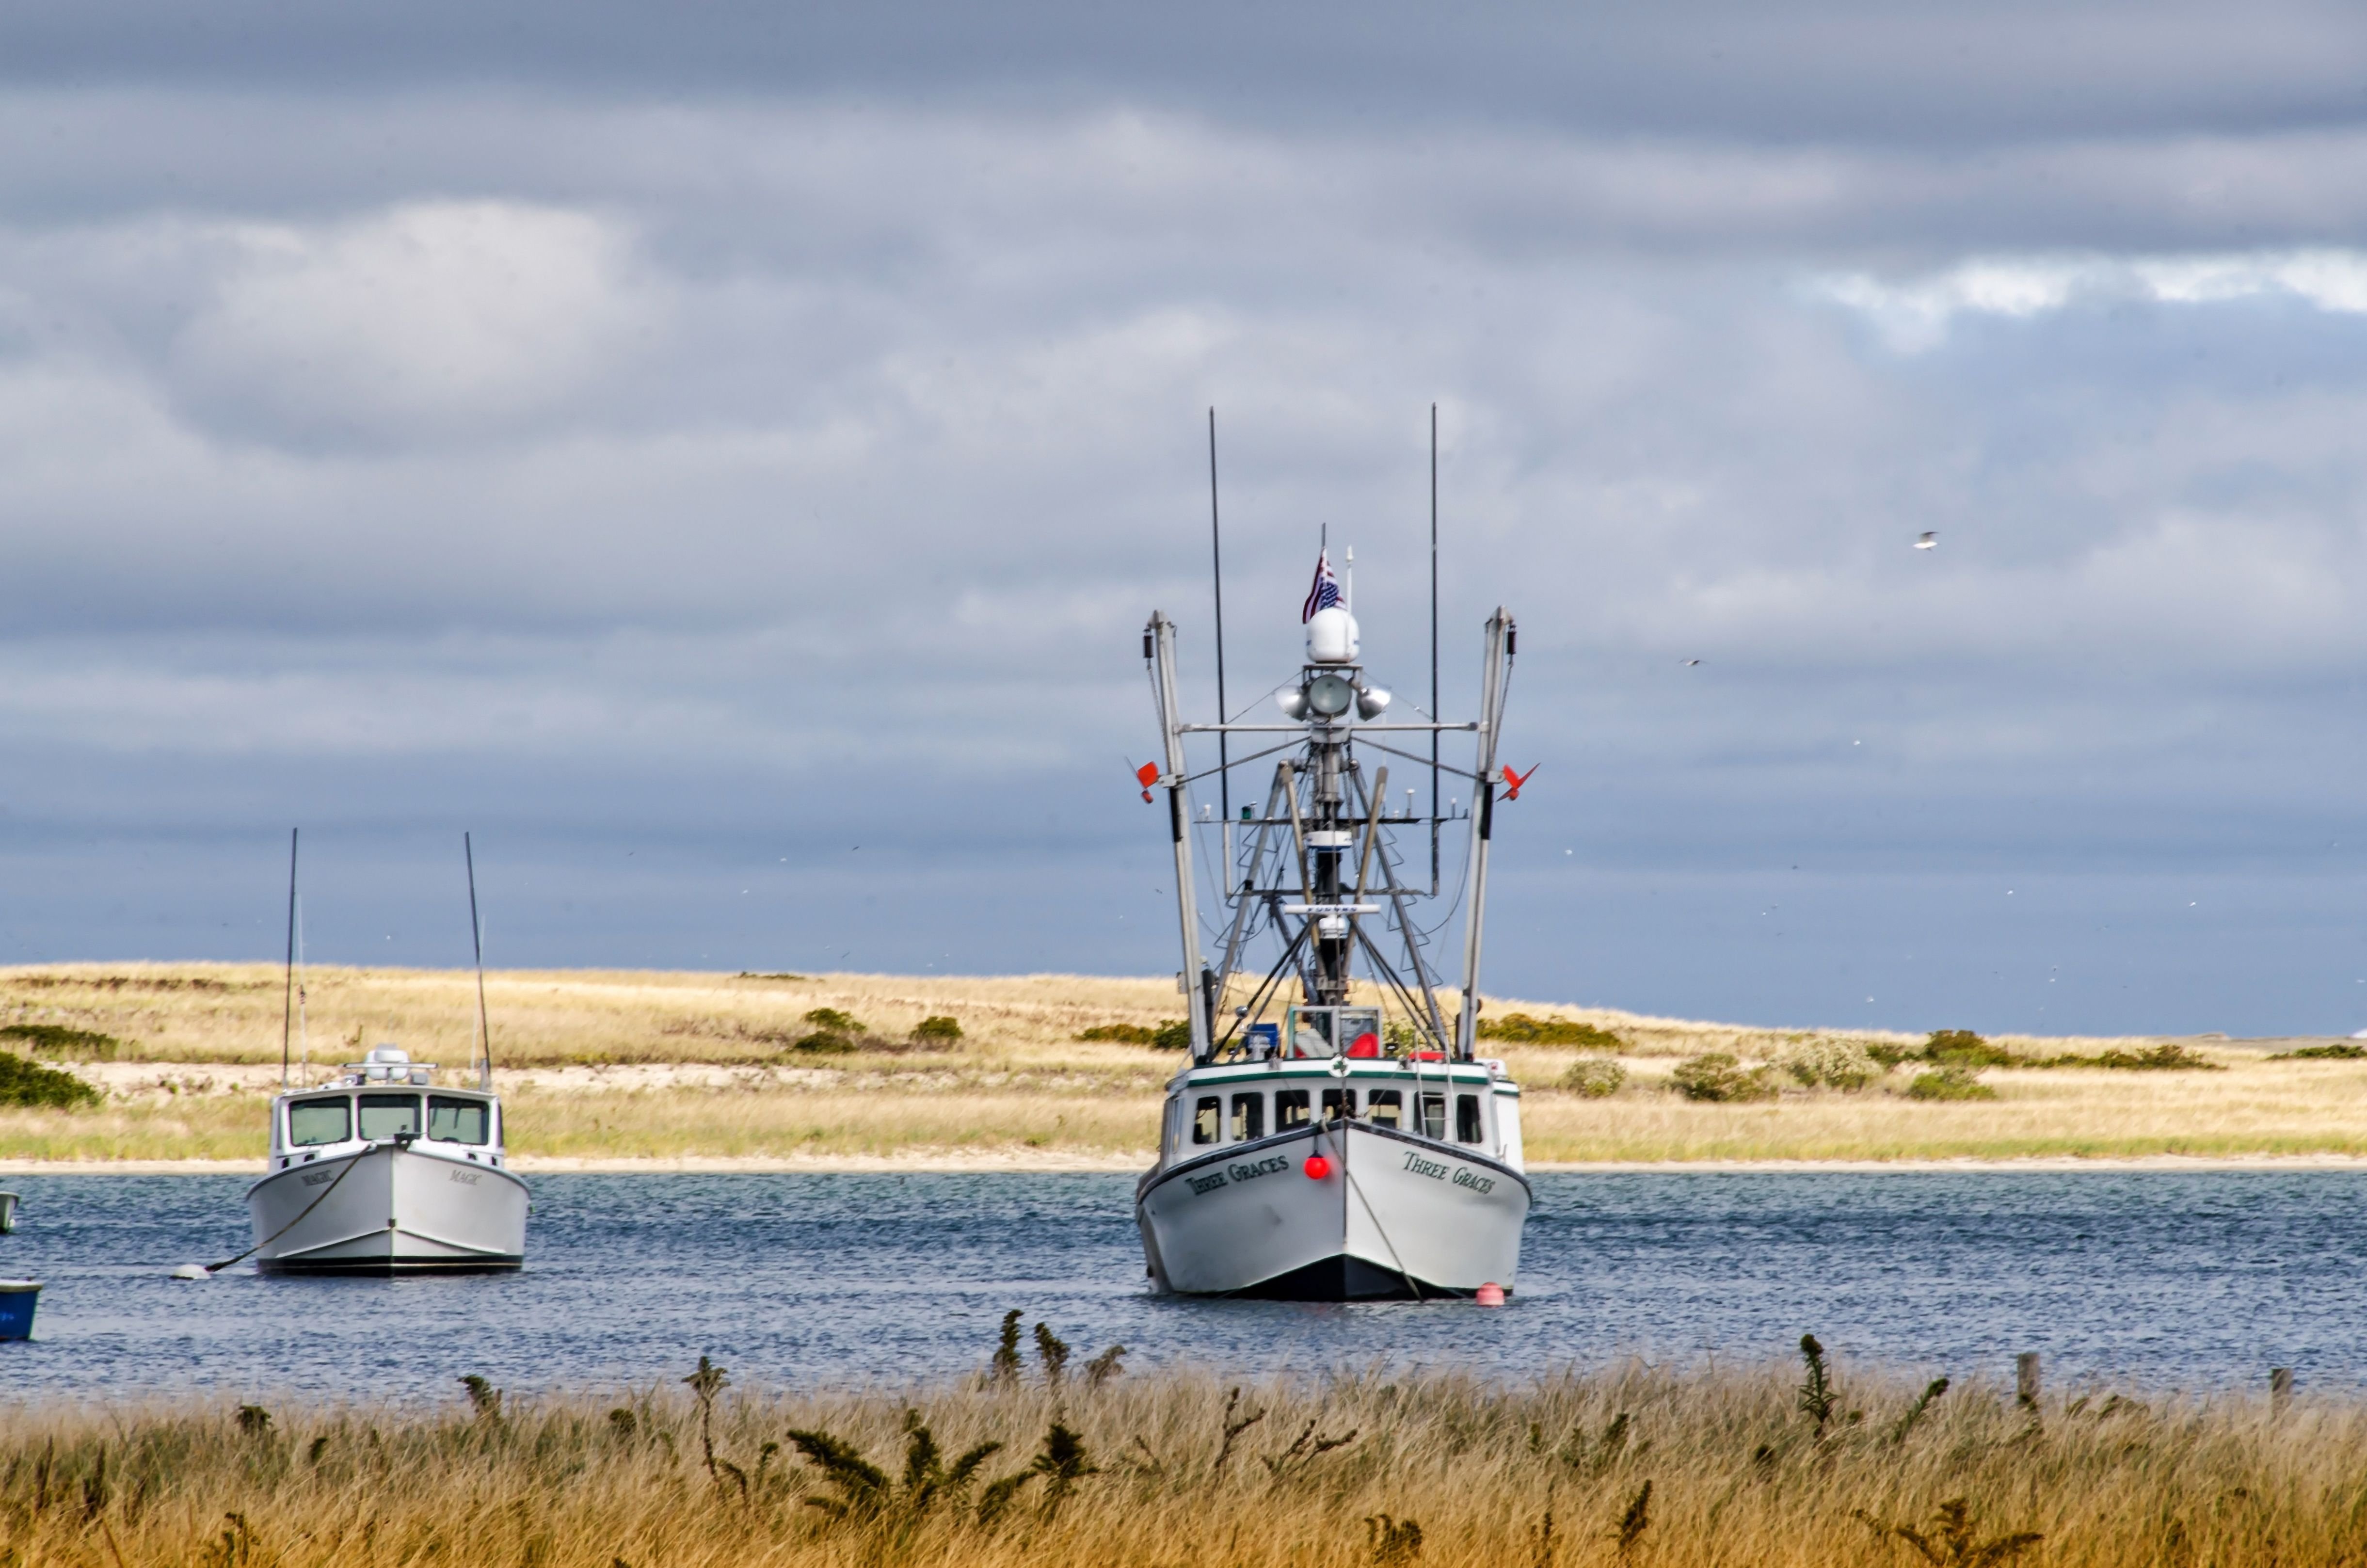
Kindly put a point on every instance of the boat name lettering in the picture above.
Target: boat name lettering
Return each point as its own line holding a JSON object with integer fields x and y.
{"x": 1208, "y": 1183}
{"x": 1478, "y": 1184}
{"x": 468, "y": 1177}
{"x": 1430, "y": 1169}
{"x": 314, "y": 1178}
{"x": 1272, "y": 1166}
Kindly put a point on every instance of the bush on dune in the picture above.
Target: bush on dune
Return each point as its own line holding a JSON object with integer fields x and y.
{"x": 24, "y": 1082}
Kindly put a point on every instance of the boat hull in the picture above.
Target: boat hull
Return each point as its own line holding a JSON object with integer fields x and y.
{"x": 1397, "y": 1217}
{"x": 388, "y": 1209}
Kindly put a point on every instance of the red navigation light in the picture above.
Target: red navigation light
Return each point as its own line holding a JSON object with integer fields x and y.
{"x": 1317, "y": 1167}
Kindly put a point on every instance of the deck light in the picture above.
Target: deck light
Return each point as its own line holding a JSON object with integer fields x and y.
{"x": 1328, "y": 696}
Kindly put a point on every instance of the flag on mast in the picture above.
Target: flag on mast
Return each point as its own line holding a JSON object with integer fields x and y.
{"x": 1326, "y": 591}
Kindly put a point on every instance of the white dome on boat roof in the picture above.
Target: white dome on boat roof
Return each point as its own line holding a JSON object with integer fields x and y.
{"x": 1331, "y": 637}
{"x": 387, "y": 1053}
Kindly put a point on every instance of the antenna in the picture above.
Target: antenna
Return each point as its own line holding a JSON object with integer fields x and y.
{"x": 303, "y": 1039}
{"x": 1216, "y": 572}
{"x": 1433, "y": 647}
{"x": 477, "y": 942}
{"x": 287, "y": 998}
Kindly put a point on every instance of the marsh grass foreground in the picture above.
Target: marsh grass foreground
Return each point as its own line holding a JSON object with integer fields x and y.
{"x": 620, "y": 1065}
{"x": 1048, "y": 1464}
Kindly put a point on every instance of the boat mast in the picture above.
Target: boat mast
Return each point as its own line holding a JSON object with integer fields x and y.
{"x": 484, "y": 1031}
{"x": 287, "y": 997}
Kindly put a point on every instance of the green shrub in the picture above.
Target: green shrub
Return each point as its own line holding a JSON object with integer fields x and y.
{"x": 86, "y": 1045}
{"x": 1120, "y": 1034}
{"x": 825, "y": 1042}
{"x": 1521, "y": 1030}
{"x": 1949, "y": 1084}
{"x": 2344, "y": 1052}
{"x": 1889, "y": 1055}
{"x": 831, "y": 1021}
{"x": 2167, "y": 1057}
{"x": 1174, "y": 1035}
{"x": 937, "y": 1028}
{"x": 1594, "y": 1077}
{"x": 1843, "y": 1065}
{"x": 1717, "y": 1075}
{"x": 1962, "y": 1047}
{"x": 30, "y": 1083}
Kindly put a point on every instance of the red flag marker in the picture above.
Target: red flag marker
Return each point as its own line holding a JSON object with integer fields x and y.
{"x": 1148, "y": 775}
{"x": 1513, "y": 781}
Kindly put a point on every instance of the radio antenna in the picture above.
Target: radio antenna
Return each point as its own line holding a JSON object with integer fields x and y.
{"x": 1216, "y": 572}
{"x": 287, "y": 995}
{"x": 477, "y": 943}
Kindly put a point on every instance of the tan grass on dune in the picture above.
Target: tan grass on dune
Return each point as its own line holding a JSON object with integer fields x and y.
{"x": 667, "y": 1066}
{"x": 1630, "y": 1466}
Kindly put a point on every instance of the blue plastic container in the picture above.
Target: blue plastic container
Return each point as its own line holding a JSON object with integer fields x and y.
{"x": 17, "y": 1299}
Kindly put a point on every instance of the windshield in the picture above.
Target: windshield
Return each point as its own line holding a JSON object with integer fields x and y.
{"x": 455, "y": 1121}
{"x": 390, "y": 1116}
{"x": 318, "y": 1121}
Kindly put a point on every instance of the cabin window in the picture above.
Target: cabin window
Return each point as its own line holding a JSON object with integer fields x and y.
{"x": 1289, "y": 1109}
{"x": 1206, "y": 1112}
{"x": 1385, "y": 1108}
{"x": 311, "y": 1122}
{"x": 1248, "y": 1118}
{"x": 455, "y": 1121}
{"x": 1339, "y": 1103}
{"x": 390, "y": 1116}
{"x": 1466, "y": 1120}
{"x": 1434, "y": 1115}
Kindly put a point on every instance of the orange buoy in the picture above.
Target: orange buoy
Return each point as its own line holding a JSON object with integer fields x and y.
{"x": 1491, "y": 1294}
{"x": 1317, "y": 1167}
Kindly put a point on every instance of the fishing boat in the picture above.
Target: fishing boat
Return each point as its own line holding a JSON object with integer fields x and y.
{"x": 1335, "y": 1136}
{"x": 384, "y": 1170}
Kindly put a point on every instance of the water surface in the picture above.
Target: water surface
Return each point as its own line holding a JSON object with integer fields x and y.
{"x": 2186, "y": 1280}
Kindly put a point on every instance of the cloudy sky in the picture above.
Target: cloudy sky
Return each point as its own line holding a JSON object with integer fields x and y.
{"x": 722, "y": 457}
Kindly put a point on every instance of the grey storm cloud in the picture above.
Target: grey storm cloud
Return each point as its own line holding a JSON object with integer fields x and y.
{"x": 684, "y": 444}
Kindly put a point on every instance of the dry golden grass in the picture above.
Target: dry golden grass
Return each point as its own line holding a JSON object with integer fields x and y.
{"x": 625, "y": 1065}
{"x": 1707, "y": 1468}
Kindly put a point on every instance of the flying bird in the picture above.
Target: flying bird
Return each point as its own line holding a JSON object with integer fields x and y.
{"x": 1691, "y": 663}
{"x": 1927, "y": 541}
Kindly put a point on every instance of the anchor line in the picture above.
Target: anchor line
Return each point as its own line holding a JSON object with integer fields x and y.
{"x": 357, "y": 1159}
{"x": 1348, "y": 1174}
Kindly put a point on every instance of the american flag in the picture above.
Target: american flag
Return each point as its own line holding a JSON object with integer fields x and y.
{"x": 1326, "y": 591}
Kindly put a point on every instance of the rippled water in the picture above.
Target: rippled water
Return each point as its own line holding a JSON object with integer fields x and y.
{"x": 2189, "y": 1280}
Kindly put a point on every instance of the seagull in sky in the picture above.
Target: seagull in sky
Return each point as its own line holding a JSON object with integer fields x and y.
{"x": 1691, "y": 663}
{"x": 1927, "y": 541}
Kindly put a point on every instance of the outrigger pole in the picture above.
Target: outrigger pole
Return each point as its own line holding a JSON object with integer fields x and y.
{"x": 1194, "y": 979}
{"x": 1500, "y": 643}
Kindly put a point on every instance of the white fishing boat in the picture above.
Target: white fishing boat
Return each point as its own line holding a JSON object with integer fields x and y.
{"x": 1336, "y": 1136}
{"x": 384, "y": 1170}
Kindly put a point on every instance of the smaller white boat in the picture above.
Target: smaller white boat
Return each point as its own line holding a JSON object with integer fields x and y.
{"x": 382, "y": 1172}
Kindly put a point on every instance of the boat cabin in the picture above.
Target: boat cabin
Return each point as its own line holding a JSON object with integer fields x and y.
{"x": 1468, "y": 1103}
{"x": 386, "y": 1098}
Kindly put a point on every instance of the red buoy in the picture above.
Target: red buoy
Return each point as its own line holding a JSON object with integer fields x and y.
{"x": 1317, "y": 1167}
{"x": 1491, "y": 1294}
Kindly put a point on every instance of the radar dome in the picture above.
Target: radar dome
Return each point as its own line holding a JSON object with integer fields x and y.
{"x": 1331, "y": 637}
